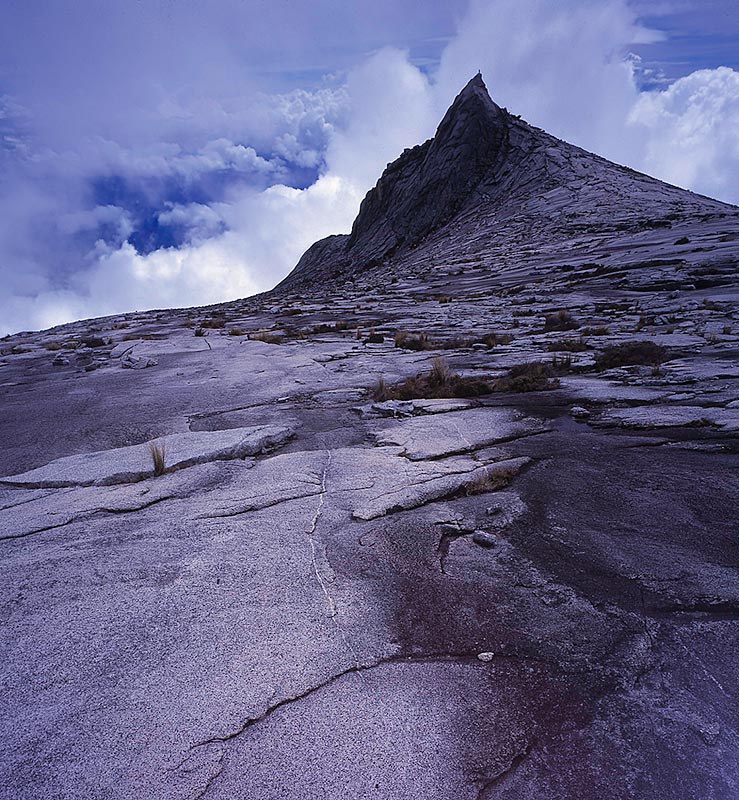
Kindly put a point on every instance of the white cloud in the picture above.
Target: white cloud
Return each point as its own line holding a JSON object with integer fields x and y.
{"x": 564, "y": 66}
{"x": 692, "y": 132}
{"x": 390, "y": 108}
{"x": 267, "y": 232}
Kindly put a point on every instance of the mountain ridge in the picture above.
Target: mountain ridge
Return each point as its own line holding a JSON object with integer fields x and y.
{"x": 489, "y": 166}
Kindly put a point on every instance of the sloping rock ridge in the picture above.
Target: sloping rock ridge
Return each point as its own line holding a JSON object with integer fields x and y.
{"x": 487, "y": 167}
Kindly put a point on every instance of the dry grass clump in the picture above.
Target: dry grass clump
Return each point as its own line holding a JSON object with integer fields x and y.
{"x": 568, "y": 346}
{"x": 373, "y": 337}
{"x": 236, "y": 332}
{"x": 412, "y": 341}
{"x": 489, "y": 481}
{"x": 216, "y": 321}
{"x": 439, "y": 381}
{"x": 157, "y": 456}
{"x": 266, "y": 336}
{"x": 534, "y": 376}
{"x": 52, "y": 346}
{"x": 332, "y": 327}
{"x": 441, "y": 373}
{"x": 561, "y": 364}
{"x": 628, "y": 353}
{"x": 381, "y": 392}
{"x": 422, "y": 341}
{"x": 561, "y": 321}
{"x": 93, "y": 341}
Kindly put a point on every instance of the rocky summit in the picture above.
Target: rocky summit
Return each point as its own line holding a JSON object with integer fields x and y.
{"x": 450, "y": 513}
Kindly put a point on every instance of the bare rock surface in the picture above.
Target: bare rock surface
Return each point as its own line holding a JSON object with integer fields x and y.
{"x": 457, "y": 432}
{"x": 357, "y": 578}
{"x": 134, "y": 463}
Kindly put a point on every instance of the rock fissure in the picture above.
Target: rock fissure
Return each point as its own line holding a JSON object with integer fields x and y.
{"x": 496, "y": 781}
{"x": 428, "y": 658}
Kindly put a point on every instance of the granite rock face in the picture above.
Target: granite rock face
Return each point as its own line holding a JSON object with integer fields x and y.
{"x": 485, "y": 176}
{"x": 425, "y": 528}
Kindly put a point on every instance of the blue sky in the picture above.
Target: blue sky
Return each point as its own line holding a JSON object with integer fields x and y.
{"x": 170, "y": 152}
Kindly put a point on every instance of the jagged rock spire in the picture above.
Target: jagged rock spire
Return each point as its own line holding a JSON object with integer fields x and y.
{"x": 430, "y": 183}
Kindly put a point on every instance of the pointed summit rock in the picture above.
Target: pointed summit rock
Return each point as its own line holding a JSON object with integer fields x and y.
{"x": 428, "y": 184}
{"x": 487, "y": 186}
{"x": 424, "y": 187}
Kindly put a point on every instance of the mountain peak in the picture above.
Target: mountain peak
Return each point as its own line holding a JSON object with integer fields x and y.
{"x": 473, "y": 117}
{"x": 475, "y": 87}
{"x": 486, "y": 172}
{"x": 425, "y": 187}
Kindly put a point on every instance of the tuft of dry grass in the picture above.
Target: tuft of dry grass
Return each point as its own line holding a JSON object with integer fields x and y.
{"x": 639, "y": 352}
{"x": 216, "y": 321}
{"x": 441, "y": 373}
{"x": 381, "y": 392}
{"x": 157, "y": 456}
{"x": 489, "y": 481}
{"x": 561, "y": 363}
{"x": 412, "y": 341}
{"x": 266, "y": 337}
{"x": 561, "y": 321}
{"x": 568, "y": 346}
{"x": 422, "y": 341}
{"x": 534, "y": 376}
{"x": 439, "y": 381}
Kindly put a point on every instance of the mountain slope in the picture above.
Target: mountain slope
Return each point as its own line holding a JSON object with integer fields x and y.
{"x": 451, "y": 514}
{"x": 494, "y": 182}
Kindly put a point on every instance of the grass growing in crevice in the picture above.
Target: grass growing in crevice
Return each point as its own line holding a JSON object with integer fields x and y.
{"x": 157, "y": 456}
{"x": 440, "y": 381}
{"x": 561, "y": 321}
{"x": 630, "y": 353}
{"x": 422, "y": 341}
{"x": 534, "y": 376}
{"x": 568, "y": 346}
{"x": 489, "y": 481}
{"x": 266, "y": 337}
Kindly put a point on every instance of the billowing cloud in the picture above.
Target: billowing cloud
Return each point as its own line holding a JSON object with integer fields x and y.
{"x": 691, "y": 131}
{"x": 204, "y": 185}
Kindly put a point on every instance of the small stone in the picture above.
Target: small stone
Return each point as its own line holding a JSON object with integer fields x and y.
{"x": 394, "y": 408}
{"x": 129, "y": 361}
{"x": 579, "y": 412}
{"x": 484, "y": 539}
{"x": 485, "y": 657}
{"x": 710, "y": 733}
